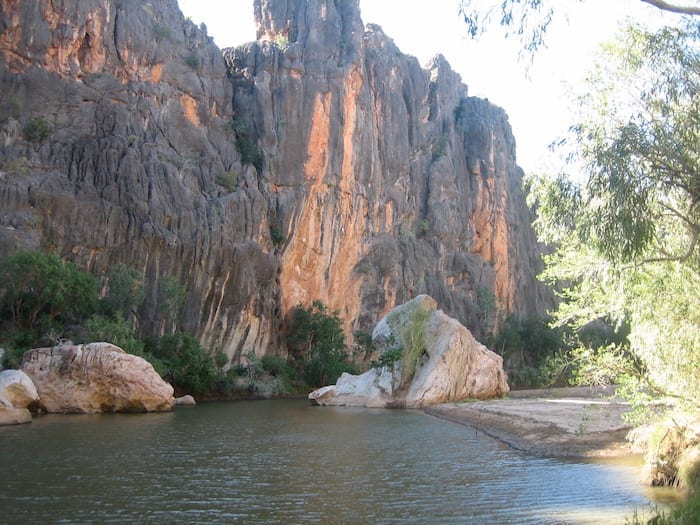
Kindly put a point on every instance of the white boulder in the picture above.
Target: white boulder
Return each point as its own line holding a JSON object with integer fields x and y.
{"x": 17, "y": 390}
{"x": 96, "y": 377}
{"x": 448, "y": 364}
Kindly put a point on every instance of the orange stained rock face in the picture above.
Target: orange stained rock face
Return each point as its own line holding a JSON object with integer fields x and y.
{"x": 189, "y": 105}
{"x": 327, "y": 239}
{"x": 301, "y": 277}
{"x": 83, "y": 50}
{"x": 156, "y": 73}
{"x": 316, "y": 164}
{"x": 491, "y": 238}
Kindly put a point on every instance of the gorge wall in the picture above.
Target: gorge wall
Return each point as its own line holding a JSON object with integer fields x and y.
{"x": 317, "y": 163}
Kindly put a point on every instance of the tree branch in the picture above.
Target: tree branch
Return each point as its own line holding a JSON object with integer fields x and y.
{"x": 673, "y": 8}
{"x": 679, "y": 258}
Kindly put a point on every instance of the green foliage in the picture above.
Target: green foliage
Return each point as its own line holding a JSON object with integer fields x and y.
{"x": 638, "y": 140}
{"x": 389, "y": 358}
{"x": 413, "y": 341}
{"x": 116, "y": 331}
{"x": 193, "y": 60}
{"x": 625, "y": 237}
{"x": 423, "y": 228}
{"x": 282, "y": 371}
{"x": 246, "y": 142}
{"x": 529, "y": 348}
{"x": 19, "y": 166}
{"x": 281, "y": 41}
{"x": 684, "y": 513}
{"x": 228, "y": 181}
{"x": 37, "y": 130}
{"x": 122, "y": 292}
{"x": 526, "y": 20}
{"x": 38, "y": 286}
{"x": 172, "y": 297}
{"x": 276, "y": 365}
{"x": 487, "y": 310}
{"x": 12, "y": 358}
{"x": 438, "y": 147}
{"x": 364, "y": 346}
{"x": 319, "y": 338}
{"x": 185, "y": 364}
{"x": 276, "y": 236}
{"x": 413, "y": 337}
{"x": 161, "y": 32}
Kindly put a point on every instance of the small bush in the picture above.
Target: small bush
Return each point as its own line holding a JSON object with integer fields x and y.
{"x": 228, "y": 181}
{"x": 193, "y": 60}
{"x": 438, "y": 148}
{"x": 281, "y": 41}
{"x": 251, "y": 153}
{"x": 161, "y": 32}
{"x": 37, "y": 130}
{"x": 389, "y": 358}
{"x": 414, "y": 342}
{"x": 116, "y": 331}
{"x": 188, "y": 367}
{"x": 276, "y": 236}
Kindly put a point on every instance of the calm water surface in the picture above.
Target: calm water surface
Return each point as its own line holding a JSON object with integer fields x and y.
{"x": 288, "y": 462}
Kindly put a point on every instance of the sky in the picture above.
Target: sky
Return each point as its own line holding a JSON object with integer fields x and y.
{"x": 535, "y": 94}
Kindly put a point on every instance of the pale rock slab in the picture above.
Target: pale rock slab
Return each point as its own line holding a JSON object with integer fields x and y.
{"x": 14, "y": 416}
{"x": 185, "y": 401}
{"x": 96, "y": 377}
{"x": 17, "y": 390}
{"x": 453, "y": 365}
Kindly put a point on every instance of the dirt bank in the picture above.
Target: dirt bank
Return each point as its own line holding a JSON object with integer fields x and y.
{"x": 563, "y": 422}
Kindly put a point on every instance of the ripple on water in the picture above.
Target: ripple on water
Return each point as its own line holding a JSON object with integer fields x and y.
{"x": 287, "y": 462}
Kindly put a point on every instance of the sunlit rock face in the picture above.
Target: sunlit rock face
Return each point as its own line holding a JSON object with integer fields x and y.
{"x": 450, "y": 364}
{"x": 316, "y": 163}
{"x": 97, "y": 377}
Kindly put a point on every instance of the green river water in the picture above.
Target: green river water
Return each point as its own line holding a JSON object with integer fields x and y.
{"x": 288, "y": 462}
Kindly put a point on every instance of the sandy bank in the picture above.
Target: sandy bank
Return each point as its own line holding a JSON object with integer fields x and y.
{"x": 564, "y": 422}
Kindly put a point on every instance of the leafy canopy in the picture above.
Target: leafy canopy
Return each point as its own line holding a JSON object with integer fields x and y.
{"x": 35, "y": 285}
{"x": 626, "y": 233}
{"x": 318, "y": 337}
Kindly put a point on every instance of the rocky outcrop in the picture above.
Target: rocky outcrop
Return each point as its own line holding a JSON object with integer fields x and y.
{"x": 318, "y": 163}
{"x": 17, "y": 389}
{"x": 441, "y": 362}
{"x": 97, "y": 377}
{"x": 17, "y": 393}
{"x": 185, "y": 401}
{"x": 14, "y": 416}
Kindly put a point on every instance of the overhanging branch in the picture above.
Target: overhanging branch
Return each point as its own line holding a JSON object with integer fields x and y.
{"x": 674, "y": 8}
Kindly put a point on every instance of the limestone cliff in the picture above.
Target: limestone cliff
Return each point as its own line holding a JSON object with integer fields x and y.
{"x": 316, "y": 163}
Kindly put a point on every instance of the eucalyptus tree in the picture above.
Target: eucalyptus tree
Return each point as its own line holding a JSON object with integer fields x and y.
{"x": 626, "y": 231}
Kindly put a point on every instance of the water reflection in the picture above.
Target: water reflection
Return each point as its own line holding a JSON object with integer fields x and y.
{"x": 287, "y": 462}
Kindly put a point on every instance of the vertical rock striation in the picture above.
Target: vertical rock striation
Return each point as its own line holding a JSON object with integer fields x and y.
{"x": 387, "y": 179}
{"x": 318, "y": 162}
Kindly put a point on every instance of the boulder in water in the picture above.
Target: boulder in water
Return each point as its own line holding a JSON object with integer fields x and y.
{"x": 96, "y": 377}
{"x": 440, "y": 362}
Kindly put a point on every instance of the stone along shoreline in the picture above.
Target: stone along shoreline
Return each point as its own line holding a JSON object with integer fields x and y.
{"x": 558, "y": 422}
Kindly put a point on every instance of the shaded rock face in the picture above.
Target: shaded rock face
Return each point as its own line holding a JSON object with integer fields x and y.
{"x": 318, "y": 163}
{"x": 451, "y": 364}
{"x": 98, "y": 377}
